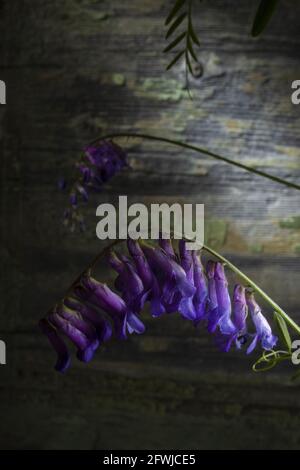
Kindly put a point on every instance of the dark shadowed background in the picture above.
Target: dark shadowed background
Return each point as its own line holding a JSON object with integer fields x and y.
{"x": 75, "y": 69}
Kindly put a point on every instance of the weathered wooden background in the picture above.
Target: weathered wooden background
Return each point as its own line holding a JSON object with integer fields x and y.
{"x": 75, "y": 69}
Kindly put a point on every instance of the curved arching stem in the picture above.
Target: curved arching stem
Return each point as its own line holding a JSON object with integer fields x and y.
{"x": 256, "y": 288}
{"x": 184, "y": 145}
{"x": 201, "y": 150}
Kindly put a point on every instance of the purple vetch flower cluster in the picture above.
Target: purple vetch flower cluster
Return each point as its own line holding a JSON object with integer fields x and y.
{"x": 97, "y": 165}
{"x": 170, "y": 282}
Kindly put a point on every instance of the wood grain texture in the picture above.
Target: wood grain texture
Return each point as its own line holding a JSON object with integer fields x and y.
{"x": 76, "y": 69}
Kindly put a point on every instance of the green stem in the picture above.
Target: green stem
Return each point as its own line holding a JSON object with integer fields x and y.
{"x": 178, "y": 143}
{"x": 247, "y": 280}
{"x": 256, "y": 288}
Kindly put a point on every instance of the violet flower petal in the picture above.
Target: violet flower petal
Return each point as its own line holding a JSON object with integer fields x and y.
{"x": 166, "y": 268}
{"x": 157, "y": 307}
{"x": 167, "y": 246}
{"x": 76, "y": 320}
{"x": 86, "y": 355}
{"x": 63, "y": 357}
{"x": 75, "y": 335}
{"x": 135, "y": 324}
{"x": 128, "y": 282}
{"x": 200, "y": 283}
{"x": 149, "y": 280}
{"x": 224, "y": 303}
{"x": 240, "y": 310}
{"x": 110, "y": 302}
{"x": 141, "y": 263}
{"x": 107, "y": 154}
{"x": 263, "y": 329}
{"x": 107, "y": 299}
{"x": 212, "y": 305}
{"x": 102, "y": 296}
{"x": 186, "y": 260}
{"x": 101, "y": 324}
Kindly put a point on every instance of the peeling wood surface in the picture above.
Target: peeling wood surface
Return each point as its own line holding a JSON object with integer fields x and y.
{"x": 77, "y": 69}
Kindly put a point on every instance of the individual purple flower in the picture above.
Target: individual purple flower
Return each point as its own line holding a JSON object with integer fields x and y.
{"x": 239, "y": 334}
{"x": 224, "y": 303}
{"x": 165, "y": 268}
{"x": 108, "y": 157}
{"x": 200, "y": 282}
{"x": 128, "y": 282}
{"x": 263, "y": 329}
{"x": 186, "y": 260}
{"x": 100, "y": 323}
{"x": 63, "y": 357}
{"x": 167, "y": 246}
{"x": 240, "y": 313}
{"x": 142, "y": 266}
{"x": 75, "y": 319}
{"x": 186, "y": 306}
{"x": 172, "y": 284}
{"x": 146, "y": 275}
{"x": 113, "y": 305}
{"x": 86, "y": 345}
{"x": 212, "y": 304}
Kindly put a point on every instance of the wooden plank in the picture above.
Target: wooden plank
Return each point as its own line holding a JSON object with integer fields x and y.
{"x": 75, "y": 70}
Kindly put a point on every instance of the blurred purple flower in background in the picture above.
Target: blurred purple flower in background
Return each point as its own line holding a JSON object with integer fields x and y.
{"x": 171, "y": 282}
{"x": 98, "y": 165}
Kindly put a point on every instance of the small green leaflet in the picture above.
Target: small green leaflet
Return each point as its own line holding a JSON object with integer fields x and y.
{"x": 263, "y": 15}
{"x": 175, "y": 42}
{"x": 283, "y": 331}
{"x": 174, "y": 11}
{"x": 176, "y": 58}
{"x": 175, "y": 25}
{"x": 193, "y": 35}
{"x": 181, "y": 18}
{"x": 191, "y": 50}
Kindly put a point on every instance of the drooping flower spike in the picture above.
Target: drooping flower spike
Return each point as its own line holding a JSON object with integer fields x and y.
{"x": 98, "y": 164}
{"x": 171, "y": 282}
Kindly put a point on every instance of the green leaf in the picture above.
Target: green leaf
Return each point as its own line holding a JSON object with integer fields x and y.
{"x": 283, "y": 331}
{"x": 193, "y": 34}
{"x": 175, "y": 42}
{"x": 263, "y": 15}
{"x": 191, "y": 50}
{"x": 176, "y": 58}
{"x": 174, "y": 11}
{"x": 176, "y": 24}
{"x": 188, "y": 62}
